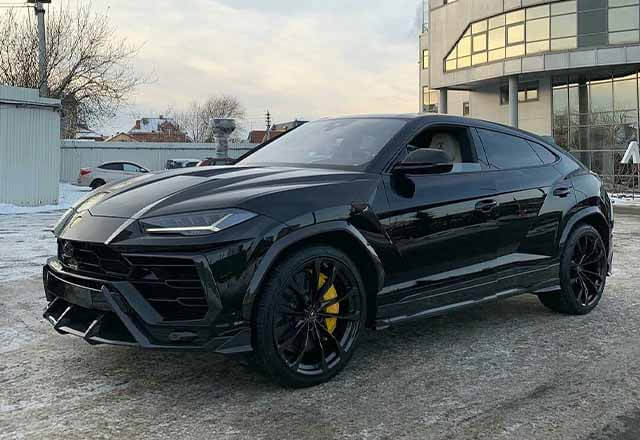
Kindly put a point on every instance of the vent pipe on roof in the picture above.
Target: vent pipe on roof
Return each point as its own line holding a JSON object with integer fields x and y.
{"x": 222, "y": 129}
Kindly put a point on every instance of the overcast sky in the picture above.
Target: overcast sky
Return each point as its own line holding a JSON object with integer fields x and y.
{"x": 301, "y": 58}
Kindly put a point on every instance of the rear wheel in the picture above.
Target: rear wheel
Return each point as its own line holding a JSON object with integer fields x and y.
{"x": 309, "y": 317}
{"x": 583, "y": 272}
{"x": 97, "y": 183}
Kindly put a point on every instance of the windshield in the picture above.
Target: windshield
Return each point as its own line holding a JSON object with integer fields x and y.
{"x": 349, "y": 143}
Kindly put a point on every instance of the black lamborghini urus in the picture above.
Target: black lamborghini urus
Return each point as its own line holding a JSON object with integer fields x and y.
{"x": 339, "y": 225}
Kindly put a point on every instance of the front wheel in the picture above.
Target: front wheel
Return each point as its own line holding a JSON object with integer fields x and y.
{"x": 309, "y": 317}
{"x": 583, "y": 272}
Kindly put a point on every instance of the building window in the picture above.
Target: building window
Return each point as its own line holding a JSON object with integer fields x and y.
{"x": 425, "y": 59}
{"x": 557, "y": 26}
{"x": 595, "y": 116}
{"x": 527, "y": 92}
{"x": 466, "y": 110}
{"x": 430, "y": 100}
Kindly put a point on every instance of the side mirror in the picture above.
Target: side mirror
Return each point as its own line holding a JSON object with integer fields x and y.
{"x": 425, "y": 161}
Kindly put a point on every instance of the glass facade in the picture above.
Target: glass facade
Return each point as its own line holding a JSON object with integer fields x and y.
{"x": 551, "y": 27}
{"x": 596, "y": 117}
{"x": 430, "y": 100}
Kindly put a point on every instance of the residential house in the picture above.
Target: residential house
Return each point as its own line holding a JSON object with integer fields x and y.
{"x": 157, "y": 130}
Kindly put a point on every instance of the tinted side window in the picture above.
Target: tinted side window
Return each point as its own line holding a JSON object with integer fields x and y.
{"x": 111, "y": 166}
{"x": 505, "y": 151}
{"x": 545, "y": 155}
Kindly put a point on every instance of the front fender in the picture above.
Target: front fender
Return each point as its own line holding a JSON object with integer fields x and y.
{"x": 297, "y": 236}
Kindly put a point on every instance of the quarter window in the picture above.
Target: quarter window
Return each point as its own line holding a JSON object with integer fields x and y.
{"x": 505, "y": 151}
{"x": 543, "y": 153}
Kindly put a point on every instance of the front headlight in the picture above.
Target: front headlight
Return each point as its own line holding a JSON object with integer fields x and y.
{"x": 195, "y": 223}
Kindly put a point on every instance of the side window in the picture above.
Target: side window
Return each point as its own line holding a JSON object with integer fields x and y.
{"x": 454, "y": 140}
{"x": 130, "y": 168}
{"x": 505, "y": 151}
{"x": 111, "y": 166}
{"x": 545, "y": 155}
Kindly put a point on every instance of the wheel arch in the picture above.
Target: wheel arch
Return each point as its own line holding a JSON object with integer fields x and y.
{"x": 98, "y": 179}
{"x": 591, "y": 216}
{"x": 339, "y": 234}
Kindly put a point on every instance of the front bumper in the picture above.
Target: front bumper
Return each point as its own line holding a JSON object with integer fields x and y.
{"x": 115, "y": 312}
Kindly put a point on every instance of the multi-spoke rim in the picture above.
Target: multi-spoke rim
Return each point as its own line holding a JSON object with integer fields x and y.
{"x": 588, "y": 269}
{"x": 304, "y": 339}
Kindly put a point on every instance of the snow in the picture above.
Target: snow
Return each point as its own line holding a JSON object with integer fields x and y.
{"x": 26, "y": 240}
{"x": 69, "y": 194}
{"x": 625, "y": 199}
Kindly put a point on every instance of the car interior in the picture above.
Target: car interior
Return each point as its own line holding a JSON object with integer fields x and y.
{"x": 455, "y": 141}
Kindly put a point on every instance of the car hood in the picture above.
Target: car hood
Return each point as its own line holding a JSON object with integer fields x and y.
{"x": 280, "y": 193}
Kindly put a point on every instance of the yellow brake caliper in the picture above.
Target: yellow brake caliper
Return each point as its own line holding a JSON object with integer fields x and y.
{"x": 333, "y": 309}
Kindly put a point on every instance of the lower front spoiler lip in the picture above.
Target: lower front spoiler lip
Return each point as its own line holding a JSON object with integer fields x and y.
{"x": 105, "y": 317}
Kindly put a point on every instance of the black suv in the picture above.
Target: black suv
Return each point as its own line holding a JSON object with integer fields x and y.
{"x": 338, "y": 225}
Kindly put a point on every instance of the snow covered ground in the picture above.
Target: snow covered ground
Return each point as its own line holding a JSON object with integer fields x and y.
{"x": 69, "y": 194}
{"x": 626, "y": 199}
{"x": 25, "y": 238}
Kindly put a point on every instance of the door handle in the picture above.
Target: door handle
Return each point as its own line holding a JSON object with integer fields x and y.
{"x": 561, "y": 192}
{"x": 486, "y": 205}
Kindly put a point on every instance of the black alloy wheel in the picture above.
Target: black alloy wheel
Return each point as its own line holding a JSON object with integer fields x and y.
{"x": 588, "y": 269}
{"x": 583, "y": 272}
{"x": 310, "y": 317}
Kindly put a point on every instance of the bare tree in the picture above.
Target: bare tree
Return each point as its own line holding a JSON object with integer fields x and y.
{"x": 88, "y": 67}
{"x": 194, "y": 120}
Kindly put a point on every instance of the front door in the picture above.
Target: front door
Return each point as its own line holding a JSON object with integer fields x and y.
{"x": 444, "y": 229}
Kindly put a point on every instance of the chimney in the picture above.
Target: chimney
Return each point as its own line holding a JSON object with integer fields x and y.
{"x": 137, "y": 124}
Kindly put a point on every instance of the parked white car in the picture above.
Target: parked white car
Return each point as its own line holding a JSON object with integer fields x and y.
{"x": 109, "y": 172}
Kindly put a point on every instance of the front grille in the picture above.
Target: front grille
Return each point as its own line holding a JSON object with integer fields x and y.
{"x": 93, "y": 259}
{"x": 170, "y": 284}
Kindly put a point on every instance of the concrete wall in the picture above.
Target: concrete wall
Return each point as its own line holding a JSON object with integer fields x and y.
{"x": 532, "y": 116}
{"x": 81, "y": 154}
{"x": 29, "y": 147}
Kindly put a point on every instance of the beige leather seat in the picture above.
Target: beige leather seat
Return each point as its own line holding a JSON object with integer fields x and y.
{"x": 448, "y": 143}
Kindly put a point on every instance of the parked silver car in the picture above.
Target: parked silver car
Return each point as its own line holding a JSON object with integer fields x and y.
{"x": 108, "y": 172}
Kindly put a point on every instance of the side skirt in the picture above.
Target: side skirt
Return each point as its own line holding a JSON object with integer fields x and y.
{"x": 546, "y": 286}
{"x": 385, "y": 323}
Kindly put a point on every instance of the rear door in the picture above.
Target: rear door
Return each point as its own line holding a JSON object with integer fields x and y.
{"x": 444, "y": 229}
{"x": 532, "y": 198}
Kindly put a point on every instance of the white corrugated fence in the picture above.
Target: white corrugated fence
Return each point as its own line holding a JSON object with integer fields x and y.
{"x": 151, "y": 155}
{"x": 29, "y": 147}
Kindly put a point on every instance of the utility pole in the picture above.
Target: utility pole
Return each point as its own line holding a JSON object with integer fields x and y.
{"x": 268, "y": 119}
{"x": 42, "y": 47}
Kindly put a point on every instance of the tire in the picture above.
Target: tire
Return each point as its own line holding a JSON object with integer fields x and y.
{"x": 305, "y": 330}
{"x": 583, "y": 273}
{"x": 97, "y": 184}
